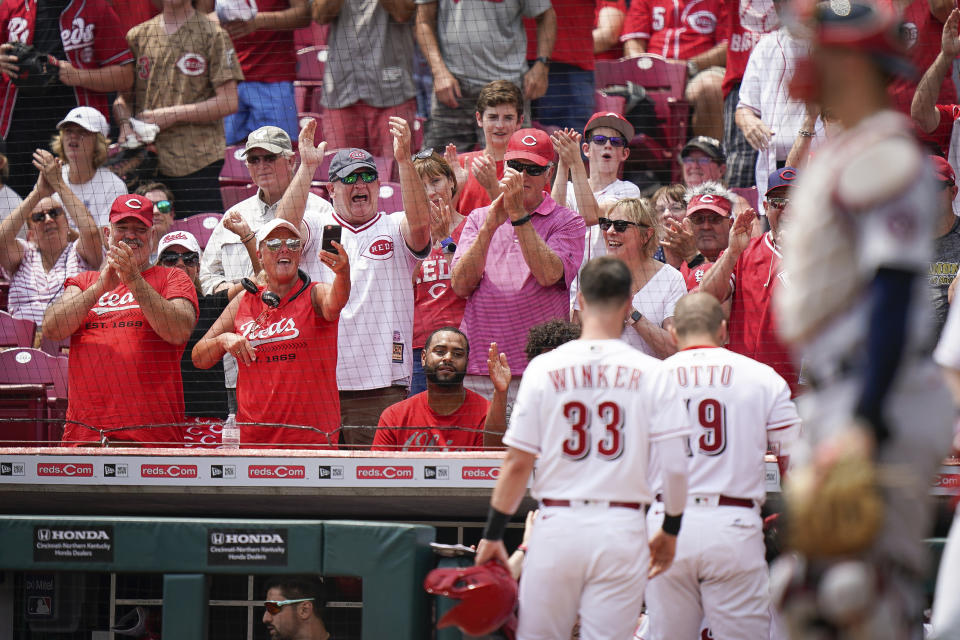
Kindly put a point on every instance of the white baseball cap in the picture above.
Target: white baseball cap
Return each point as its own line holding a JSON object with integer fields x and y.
{"x": 184, "y": 239}
{"x": 88, "y": 118}
{"x": 277, "y": 223}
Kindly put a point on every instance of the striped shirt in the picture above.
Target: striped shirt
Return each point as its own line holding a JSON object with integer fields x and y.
{"x": 33, "y": 288}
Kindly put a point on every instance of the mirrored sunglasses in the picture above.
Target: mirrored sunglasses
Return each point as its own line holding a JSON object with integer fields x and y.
{"x": 274, "y": 244}
{"x": 366, "y": 176}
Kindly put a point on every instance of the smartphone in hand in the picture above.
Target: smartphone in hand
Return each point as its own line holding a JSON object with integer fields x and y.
{"x": 331, "y": 233}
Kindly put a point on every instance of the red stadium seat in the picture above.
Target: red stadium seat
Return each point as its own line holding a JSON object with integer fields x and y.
{"x": 4, "y": 292}
{"x": 55, "y": 347}
{"x": 311, "y": 36}
{"x": 309, "y": 83}
{"x": 750, "y": 195}
{"x": 664, "y": 81}
{"x": 234, "y": 169}
{"x": 231, "y": 194}
{"x": 200, "y": 225}
{"x": 15, "y": 332}
{"x": 30, "y": 378}
{"x": 417, "y": 129}
{"x": 390, "y": 199}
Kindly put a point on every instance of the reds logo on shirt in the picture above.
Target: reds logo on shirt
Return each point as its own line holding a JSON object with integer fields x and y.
{"x": 69, "y": 469}
{"x": 78, "y": 36}
{"x": 109, "y": 302}
{"x": 703, "y": 22}
{"x": 192, "y": 64}
{"x": 381, "y": 248}
{"x": 17, "y": 30}
{"x": 282, "y": 329}
{"x": 385, "y": 473}
{"x": 282, "y": 472}
{"x": 168, "y": 471}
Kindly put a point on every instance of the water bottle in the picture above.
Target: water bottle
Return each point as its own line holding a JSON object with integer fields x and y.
{"x": 230, "y": 434}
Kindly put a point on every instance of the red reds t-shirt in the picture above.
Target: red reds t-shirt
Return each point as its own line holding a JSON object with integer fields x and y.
{"x": 473, "y": 195}
{"x": 694, "y": 277}
{"x": 121, "y": 372}
{"x": 265, "y": 55}
{"x": 616, "y": 51}
{"x": 574, "y": 45}
{"x": 743, "y": 24}
{"x": 753, "y": 327}
{"x": 469, "y": 421}
{"x": 675, "y": 29}
{"x": 922, "y": 32}
{"x": 435, "y": 304}
{"x": 294, "y": 378}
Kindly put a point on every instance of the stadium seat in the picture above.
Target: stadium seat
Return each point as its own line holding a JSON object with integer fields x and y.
{"x": 419, "y": 124}
{"x": 311, "y": 36}
{"x": 231, "y": 194}
{"x": 20, "y": 371}
{"x": 664, "y": 81}
{"x": 4, "y": 293}
{"x": 309, "y": 82}
{"x": 748, "y": 194}
{"x": 234, "y": 169}
{"x": 390, "y": 199}
{"x": 15, "y": 332}
{"x": 200, "y": 225}
{"x": 55, "y": 347}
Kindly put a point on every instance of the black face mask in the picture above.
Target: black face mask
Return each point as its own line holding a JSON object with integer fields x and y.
{"x": 455, "y": 381}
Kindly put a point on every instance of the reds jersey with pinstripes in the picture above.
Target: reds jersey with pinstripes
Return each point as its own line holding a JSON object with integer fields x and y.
{"x": 590, "y": 409}
{"x": 674, "y": 29}
{"x": 734, "y": 403}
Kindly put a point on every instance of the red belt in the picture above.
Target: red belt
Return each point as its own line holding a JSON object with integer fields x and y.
{"x": 725, "y": 501}
{"x": 547, "y": 502}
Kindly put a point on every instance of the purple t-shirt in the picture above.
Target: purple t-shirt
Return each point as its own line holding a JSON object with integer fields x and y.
{"x": 508, "y": 300}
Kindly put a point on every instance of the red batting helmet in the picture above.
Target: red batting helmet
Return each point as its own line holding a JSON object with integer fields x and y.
{"x": 487, "y": 594}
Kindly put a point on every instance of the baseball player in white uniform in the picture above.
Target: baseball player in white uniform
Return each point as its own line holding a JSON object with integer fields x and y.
{"x": 739, "y": 408}
{"x": 595, "y": 411}
{"x": 856, "y": 249}
{"x": 945, "y": 619}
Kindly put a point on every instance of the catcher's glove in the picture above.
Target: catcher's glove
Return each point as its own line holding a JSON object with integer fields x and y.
{"x": 38, "y": 70}
{"x": 834, "y": 507}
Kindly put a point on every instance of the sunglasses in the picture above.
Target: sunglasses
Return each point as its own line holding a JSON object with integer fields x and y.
{"x": 615, "y": 141}
{"x": 274, "y": 606}
{"x": 170, "y": 258}
{"x": 366, "y": 176}
{"x": 163, "y": 206}
{"x": 40, "y": 215}
{"x": 699, "y": 218}
{"x": 700, "y": 161}
{"x": 422, "y": 155}
{"x": 532, "y": 170}
{"x": 269, "y": 158}
{"x": 778, "y": 203}
{"x": 618, "y": 225}
{"x": 274, "y": 244}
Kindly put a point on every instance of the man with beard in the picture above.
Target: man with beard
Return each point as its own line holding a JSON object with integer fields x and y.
{"x": 447, "y": 416}
{"x": 293, "y": 607}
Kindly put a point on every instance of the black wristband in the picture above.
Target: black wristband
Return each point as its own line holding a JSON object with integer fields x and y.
{"x": 696, "y": 261}
{"x": 524, "y": 220}
{"x": 671, "y": 524}
{"x": 496, "y": 525}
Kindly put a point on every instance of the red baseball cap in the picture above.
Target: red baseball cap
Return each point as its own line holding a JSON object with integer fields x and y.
{"x": 611, "y": 120}
{"x": 710, "y": 202}
{"x": 530, "y": 144}
{"x": 131, "y": 206}
{"x": 943, "y": 170}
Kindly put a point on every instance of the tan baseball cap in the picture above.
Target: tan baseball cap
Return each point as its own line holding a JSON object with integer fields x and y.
{"x": 269, "y": 138}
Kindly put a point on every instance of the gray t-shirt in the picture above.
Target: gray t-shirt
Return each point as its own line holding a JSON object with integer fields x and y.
{"x": 946, "y": 260}
{"x": 483, "y": 40}
{"x": 370, "y": 58}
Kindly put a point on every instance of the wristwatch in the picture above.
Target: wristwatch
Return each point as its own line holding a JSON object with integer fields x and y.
{"x": 634, "y": 317}
{"x": 544, "y": 60}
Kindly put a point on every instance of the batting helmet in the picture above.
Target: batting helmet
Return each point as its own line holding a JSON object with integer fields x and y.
{"x": 487, "y": 594}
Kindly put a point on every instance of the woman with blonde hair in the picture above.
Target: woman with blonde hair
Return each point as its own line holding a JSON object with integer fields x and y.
{"x": 81, "y": 144}
{"x": 632, "y": 233}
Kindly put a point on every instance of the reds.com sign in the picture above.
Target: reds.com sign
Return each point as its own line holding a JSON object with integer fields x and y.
{"x": 385, "y": 473}
{"x": 480, "y": 473}
{"x": 168, "y": 471}
{"x": 65, "y": 469}
{"x": 276, "y": 471}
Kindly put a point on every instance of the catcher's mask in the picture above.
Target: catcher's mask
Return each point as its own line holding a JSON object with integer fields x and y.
{"x": 487, "y": 594}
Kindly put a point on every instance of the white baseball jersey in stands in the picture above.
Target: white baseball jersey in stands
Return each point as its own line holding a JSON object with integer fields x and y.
{"x": 376, "y": 326}
{"x": 738, "y": 408}
{"x": 593, "y": 410}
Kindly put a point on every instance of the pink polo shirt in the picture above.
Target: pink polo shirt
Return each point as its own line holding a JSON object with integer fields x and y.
{"x": 508, "y": 300}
